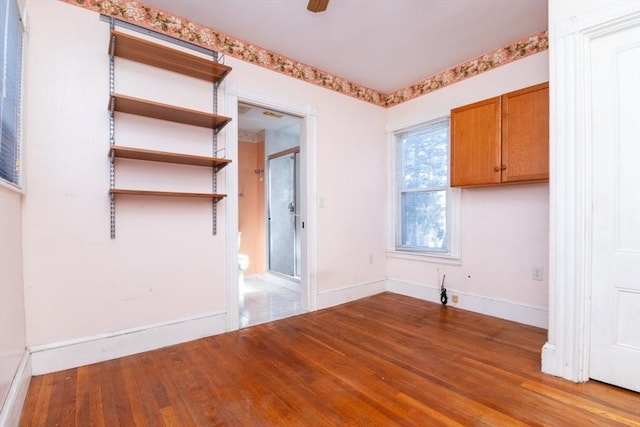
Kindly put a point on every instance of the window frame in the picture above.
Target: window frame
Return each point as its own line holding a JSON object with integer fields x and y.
{"x": 453, "y": 201}
{"x": 12, "y": 10}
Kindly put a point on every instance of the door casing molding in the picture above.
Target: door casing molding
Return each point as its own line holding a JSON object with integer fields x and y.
{"x": 232, "y": 94}
{"x": 566, "y": 353}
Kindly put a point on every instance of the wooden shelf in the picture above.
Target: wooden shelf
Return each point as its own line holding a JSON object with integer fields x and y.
{"x": 155, "y": 110}
{"x": 167, "y": 157}
{"x": 146, "y": 52}
{"x": 123, "y": 192}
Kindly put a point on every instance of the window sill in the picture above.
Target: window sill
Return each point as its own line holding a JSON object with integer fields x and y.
{"x": 11, "y": 187}
{"x": 424, "y": 257}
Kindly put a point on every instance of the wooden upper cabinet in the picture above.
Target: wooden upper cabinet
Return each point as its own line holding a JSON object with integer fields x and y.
{"x": 501, "y": 140}
{"x": 475, "y": 143}
{"x": 525, "y": 134}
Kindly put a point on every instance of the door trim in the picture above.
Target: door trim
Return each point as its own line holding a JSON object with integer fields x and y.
{"x": 232, "y": 94}
{"x": 566, "y": 353}
{"x": 293, "y": 150}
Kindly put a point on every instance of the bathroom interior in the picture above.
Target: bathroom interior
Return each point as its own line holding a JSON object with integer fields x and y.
{"x": 269, "y": 225}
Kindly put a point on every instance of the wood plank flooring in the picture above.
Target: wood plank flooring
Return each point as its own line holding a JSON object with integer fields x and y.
{"x": 386, "y": 360}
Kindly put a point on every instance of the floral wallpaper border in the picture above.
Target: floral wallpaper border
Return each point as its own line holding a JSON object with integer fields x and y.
{"x": 157, "y": 20}
{"x": 502, "y": 56}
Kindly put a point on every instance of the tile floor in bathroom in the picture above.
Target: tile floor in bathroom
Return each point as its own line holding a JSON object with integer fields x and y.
{"x": 262, "y": 301}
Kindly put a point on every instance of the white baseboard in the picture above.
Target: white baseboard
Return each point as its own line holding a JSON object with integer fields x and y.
{"x": 84, "y": 351}
{"x": 349, "y": 293}
{"x": 509, "y": 310}
{"x": 12, "y": 409}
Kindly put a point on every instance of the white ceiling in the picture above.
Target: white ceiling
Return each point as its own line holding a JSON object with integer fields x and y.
{"x": 385, "y": 45}
{"x": 252, "y": 119}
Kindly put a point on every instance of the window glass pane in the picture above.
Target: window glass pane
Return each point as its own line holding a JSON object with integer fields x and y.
{"x": 425, "y": 160}
{"x": 424, "y": 217}
{"x": 10, "y": 104}
{"x": 4, "y": 8}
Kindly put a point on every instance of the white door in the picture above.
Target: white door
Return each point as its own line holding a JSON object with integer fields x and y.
{"x": 615, "y": 135}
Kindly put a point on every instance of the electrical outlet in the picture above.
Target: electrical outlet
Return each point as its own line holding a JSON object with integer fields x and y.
{"x": 370, "y": 258}
{"x": 537, "y": 273}
{"x": 454, "y": 298}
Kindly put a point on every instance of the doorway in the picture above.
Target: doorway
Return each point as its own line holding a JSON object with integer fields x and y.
{"x": 269, "y": 220}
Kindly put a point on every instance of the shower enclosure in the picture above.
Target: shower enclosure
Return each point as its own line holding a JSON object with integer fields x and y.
{"x": 283, "y": 195}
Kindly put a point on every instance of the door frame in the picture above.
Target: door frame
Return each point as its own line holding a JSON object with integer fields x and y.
{"x": 567, "y": 350}
{"x": 231, "y": 95}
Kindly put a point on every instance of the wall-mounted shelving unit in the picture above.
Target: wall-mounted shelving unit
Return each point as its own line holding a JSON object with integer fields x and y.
{"x": 129, "y": 47}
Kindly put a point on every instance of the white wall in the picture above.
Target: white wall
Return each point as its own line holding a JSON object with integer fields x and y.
{"x": 12, "y": 311}
{"x": 78, "y": 281}
{"x": 164, "y": 263}
{"x": 12, "y": 316}
{"x": 505, "y": 230}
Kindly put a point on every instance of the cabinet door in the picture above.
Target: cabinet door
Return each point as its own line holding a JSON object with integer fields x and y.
{"x": 525, "y": 134}
{"x": 475, "y": 143}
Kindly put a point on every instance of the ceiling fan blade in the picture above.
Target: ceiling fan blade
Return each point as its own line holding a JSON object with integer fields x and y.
{"x": 317, "y": 5}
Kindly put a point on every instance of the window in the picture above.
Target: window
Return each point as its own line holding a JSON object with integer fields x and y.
{"x": 423, "y": 197}
{"x": 11, "y": 64}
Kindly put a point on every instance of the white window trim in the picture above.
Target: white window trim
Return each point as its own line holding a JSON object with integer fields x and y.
{"x": 454, "y": 203}
{"x": 13, "y": 187}
{"x": 18, "y": 186}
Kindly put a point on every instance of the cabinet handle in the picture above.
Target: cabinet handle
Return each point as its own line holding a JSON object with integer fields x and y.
{"x": 503, "y": 168}
{"x": 496, "y": 169}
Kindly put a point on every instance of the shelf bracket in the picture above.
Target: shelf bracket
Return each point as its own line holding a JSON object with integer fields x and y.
{"x": 112, "y": 47}
{"x": 214, "y": 174}
{"x": 112, "y": 214}
{"x": 112, "y": 106}
{"x": 112, "y": 134}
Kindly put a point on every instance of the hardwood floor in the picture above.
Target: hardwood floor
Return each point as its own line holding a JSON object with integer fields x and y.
{"x": 381, "y": 361}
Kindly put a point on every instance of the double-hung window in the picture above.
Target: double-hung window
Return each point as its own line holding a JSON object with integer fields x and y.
{"x": 10, "y": 100}
{"x": 424, "y": 201}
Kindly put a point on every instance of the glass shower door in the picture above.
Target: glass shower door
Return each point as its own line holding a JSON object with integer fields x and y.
{"x": 283, "y": 215}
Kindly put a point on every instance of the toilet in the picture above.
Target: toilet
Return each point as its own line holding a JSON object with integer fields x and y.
{"x": 243, "y": 259}
{"x": 243, "y": 262}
